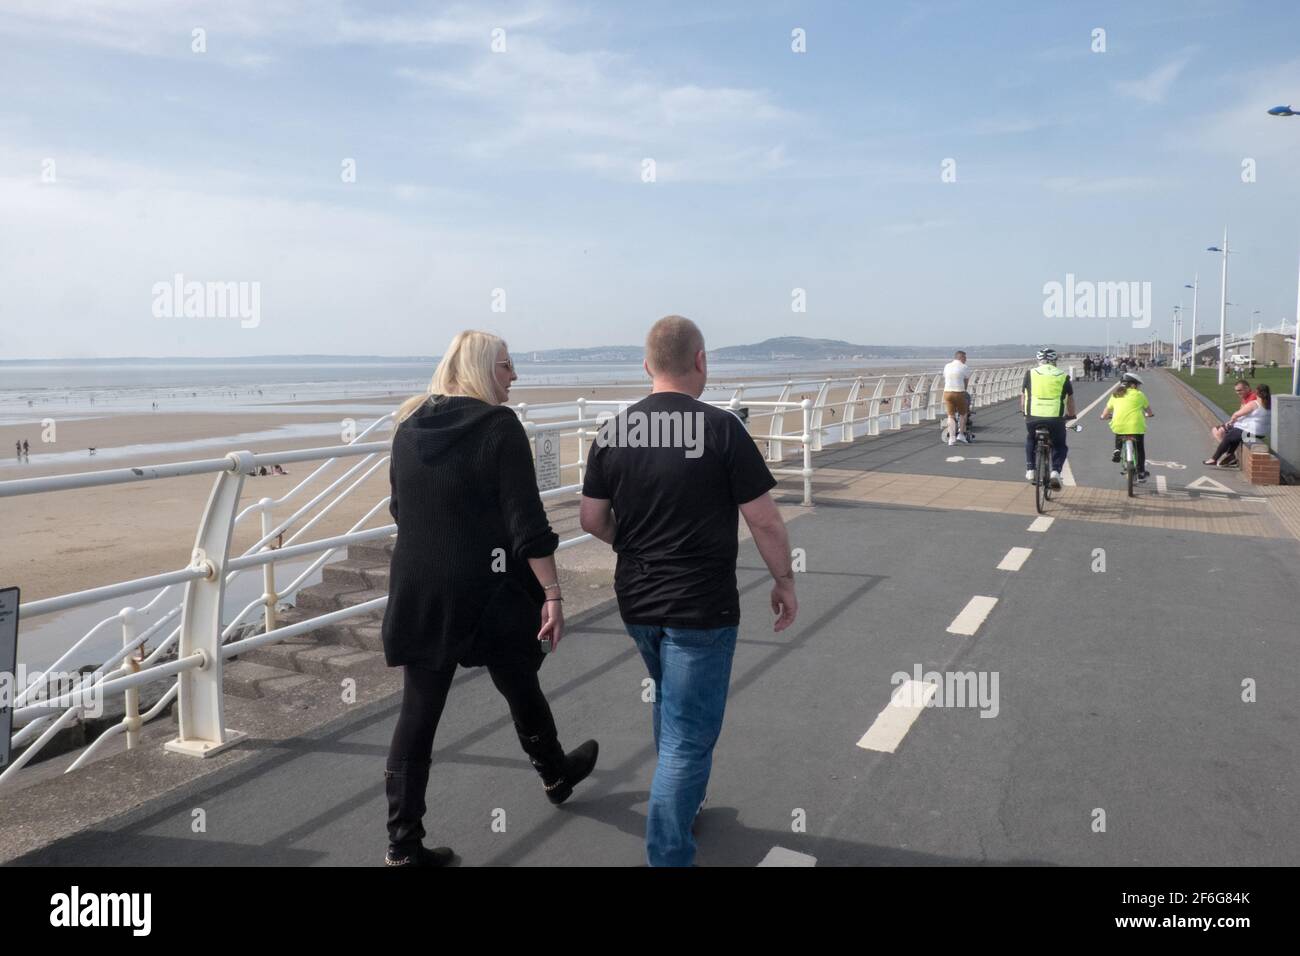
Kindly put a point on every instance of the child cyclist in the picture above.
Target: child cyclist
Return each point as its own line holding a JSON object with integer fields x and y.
{"x": 1128, "y": 409}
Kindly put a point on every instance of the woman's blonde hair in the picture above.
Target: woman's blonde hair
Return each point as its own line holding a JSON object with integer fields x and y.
{"x": 468, "y": 368}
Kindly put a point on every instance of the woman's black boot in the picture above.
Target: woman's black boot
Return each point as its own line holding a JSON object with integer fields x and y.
{"x": 560, "y": 772}
{"x": 405, "y": 789}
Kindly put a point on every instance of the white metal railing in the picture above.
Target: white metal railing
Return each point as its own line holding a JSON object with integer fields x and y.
{"x": 183, "y": 637}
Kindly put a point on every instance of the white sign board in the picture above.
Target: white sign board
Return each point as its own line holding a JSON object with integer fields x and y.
{"x": 8, "y": 667}
{"x": 547, "y": 460}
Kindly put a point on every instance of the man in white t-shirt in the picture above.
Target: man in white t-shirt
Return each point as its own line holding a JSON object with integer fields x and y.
{"x": 956, "y": 378}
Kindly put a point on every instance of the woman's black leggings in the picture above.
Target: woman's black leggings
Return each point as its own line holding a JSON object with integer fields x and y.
{"x": 1139, "y": 446}
{"x": 425, "y": 692}
{"x": 1231, "y": 441}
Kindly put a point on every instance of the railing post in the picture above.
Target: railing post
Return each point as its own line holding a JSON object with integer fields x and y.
{"x": 269, "y": 596}
{"x": 582, "y": 441}
{"x": 200, "y": 705}
{"x": 895, "y": 406}
{"x": 806, "y": 405}
{"x": 777, "y": 422}
{"x": 130, "y": 665}
{"x": 873, "y": 414}
{"x": 850, "y": 411}
{"x": 823, "y": 394}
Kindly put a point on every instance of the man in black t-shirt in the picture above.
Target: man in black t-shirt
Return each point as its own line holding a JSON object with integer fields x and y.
{"x": 665, "y": 484}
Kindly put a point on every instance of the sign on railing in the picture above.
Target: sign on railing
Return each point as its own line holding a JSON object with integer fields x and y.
{"x": 547, "y": 460}
{"x": 8, "y": 668}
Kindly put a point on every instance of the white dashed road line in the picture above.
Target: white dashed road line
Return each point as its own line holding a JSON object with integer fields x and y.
{"x": 1162, "y": 486}
{"x": 892, "y": 724}
{"x": 972, "y": 615}
{"x": 1015, "y": 559}
{"x": 780, "y": 856}
{"x": 1041, "y": 523}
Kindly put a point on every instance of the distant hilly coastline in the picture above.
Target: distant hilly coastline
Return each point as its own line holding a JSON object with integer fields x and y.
{"x": 785, "y": 348}
{"x": 798, "y": 348}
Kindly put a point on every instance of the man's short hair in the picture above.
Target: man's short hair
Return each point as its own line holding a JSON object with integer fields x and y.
{"x": 959, "y": 354}
{"x": 672, "y": 344}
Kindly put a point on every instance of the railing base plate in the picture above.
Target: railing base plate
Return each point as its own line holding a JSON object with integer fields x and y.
{"x": 203, "y": 748}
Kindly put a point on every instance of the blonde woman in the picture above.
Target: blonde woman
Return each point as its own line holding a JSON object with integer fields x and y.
{"x": 473, "y": 579}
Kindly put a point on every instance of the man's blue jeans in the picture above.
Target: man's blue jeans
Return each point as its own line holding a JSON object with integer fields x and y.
{"x": 691, "y": 668}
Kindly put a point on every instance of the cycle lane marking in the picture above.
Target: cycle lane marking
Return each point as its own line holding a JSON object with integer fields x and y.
{"x": 972, "y": 615}
{"x": 892, "y": 724}
{"x": 1015, "y": 559}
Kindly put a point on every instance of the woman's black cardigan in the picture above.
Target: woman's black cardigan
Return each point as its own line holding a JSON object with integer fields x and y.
{"x": 464, "y": 496}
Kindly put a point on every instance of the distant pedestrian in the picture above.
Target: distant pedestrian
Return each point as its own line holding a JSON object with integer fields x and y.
{"x": 27, "y": 452}
{"x": 672, "y": 515}
{"x": 956, "y": 401}
{"x": 18, "y": 447}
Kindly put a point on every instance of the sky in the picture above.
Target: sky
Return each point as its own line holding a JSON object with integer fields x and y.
{"x": 565, "y": 173}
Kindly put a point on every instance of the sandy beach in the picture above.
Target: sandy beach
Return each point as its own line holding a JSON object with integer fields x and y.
{"x": 73, "y": 540}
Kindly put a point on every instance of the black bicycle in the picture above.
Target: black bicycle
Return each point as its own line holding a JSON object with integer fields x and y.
{"x": 1043, "y": 465}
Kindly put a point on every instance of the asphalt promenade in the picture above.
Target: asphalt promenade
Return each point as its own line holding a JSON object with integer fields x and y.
{"x": 1114, "y": 643}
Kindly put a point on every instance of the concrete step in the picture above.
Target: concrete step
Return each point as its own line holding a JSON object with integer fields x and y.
{"x": 355, "y": 573}
{"x": 254, "y": 681}
{"x": 373, "y": 552}
{"x": 365, "y": 636}
{"x": 322, "y": 599}
{"x": 308, "y": 654}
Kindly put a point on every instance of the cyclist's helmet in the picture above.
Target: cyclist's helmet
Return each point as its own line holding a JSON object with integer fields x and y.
{"x": 1129, "y": 378}
{"x": 1047, "y": 355}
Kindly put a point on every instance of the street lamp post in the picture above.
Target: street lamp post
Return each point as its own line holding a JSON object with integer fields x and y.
{"x": 1178, "y": 338}
{"x": 1223, "y": 302}
{"x": 1295, "y": 351}
{"x": 1195, "y": 287}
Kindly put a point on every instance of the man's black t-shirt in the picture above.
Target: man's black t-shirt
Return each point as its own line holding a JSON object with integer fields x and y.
{"x": 676, "y": 507}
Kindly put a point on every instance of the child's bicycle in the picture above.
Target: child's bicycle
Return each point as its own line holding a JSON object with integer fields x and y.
{"x": 1128, "y": 460}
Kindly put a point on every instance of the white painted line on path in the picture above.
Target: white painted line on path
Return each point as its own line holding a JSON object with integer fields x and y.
{"x": 1041, "y": 523}
{"x": 1015, "y": 559}
{"x": 1162, "y": 486}
{"x": 780, "y": 856}
{"x": 1206, "y": 483}
{"x": 891, "y": 724}
{"x": 972, "y": 615}
{"x": 1105, "y": 394}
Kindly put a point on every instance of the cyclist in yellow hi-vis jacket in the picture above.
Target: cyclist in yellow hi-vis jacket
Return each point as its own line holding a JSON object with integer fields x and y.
{"x": 1047, "y": 399}
{"x": 1128, "y": 408}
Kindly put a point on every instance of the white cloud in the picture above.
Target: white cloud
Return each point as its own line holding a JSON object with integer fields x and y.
{"x": 595, "y": 110}
{"x": 1102, "y": 184}
{"x": 1155, "y": 86}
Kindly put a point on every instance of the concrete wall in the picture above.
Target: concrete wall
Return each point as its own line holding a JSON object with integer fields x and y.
{"x": 1285, "y": 437}
{"x": 1272, "y": 347}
